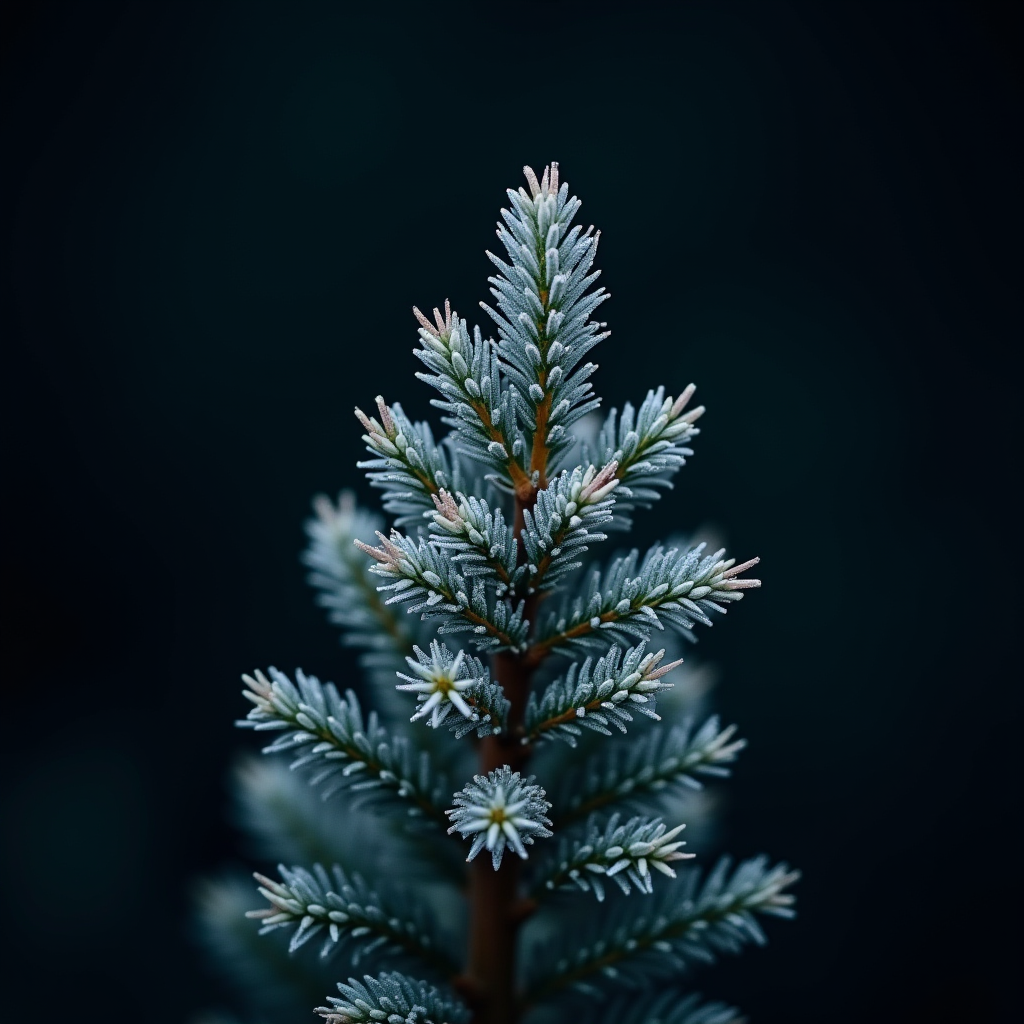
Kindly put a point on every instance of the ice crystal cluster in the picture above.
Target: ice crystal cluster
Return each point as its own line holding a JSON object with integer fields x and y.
{"x": 503, "y": 839}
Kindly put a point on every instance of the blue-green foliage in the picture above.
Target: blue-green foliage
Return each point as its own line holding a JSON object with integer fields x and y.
{"x": 345, "y": 911}
{"x": 490, "y": 529}
{"x": 392, "y": 998}
{"x": 691, "y": 924}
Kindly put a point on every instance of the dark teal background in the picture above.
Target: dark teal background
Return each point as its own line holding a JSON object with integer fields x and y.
{"x": 216, "y": 218}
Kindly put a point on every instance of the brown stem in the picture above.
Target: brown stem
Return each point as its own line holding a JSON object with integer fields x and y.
{"x": 566, "y": 716}
{"x": 496, "y": 908}
{"x": 539, "y": 651}
{"x": 492, "y": 938}
{"x": 539, "y": 452}
{"x": 520, "y": 481}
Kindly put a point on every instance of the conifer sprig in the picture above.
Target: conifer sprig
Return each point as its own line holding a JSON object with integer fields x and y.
{"x": 465, "y": 369}
{"x": 692, "y": 924}
{"x": 500, "y": 810}
{"x": 563, "y": 521}
{"x": 649, "y": 445}
{"x": 341, "y": 749}
{"x": 596, "y": 695}
{"x": 483, "y": 544}
{"x": 347, "y": 589}
{"x": 543, "y": 315}
{"x": 489, "y": 524}
{"x": 668, "y": 588}
{"x": 621, "y": 851}
{"x": 422, "y": 573}
{"x": 443, "y": 682}
{"x": 261, "y": 968}
{"x": 345, "y": 911}
{"x": 392, "y": 998}
{"x": 408, "y": 465}
{"x": 639, "y": 775}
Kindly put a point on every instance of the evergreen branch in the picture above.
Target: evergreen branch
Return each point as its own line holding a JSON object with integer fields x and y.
{"x": 393, "y": 998}
{"x": 346, "y": 588}
{"x": 443, "y": 681}
{"x": 468, "y": 375}
{"x": 544, "y": 307}
{"x": 622, "y": 852}
{"x": 594, "y": 696}
{"x": 639, "y": 774}
{"x": 667, "y": 1008}
{"x": 484, "y": 546}
{"x": 424, "y": 574}
{"x": 649, "y": 445}
{"x": 341, "y": 748}
{"x": 558, "y": 528}
{"x": 453, "y": 556}
{"x": 352, "y": 914}
{"x": 692, "y": 922}
{"x": 670, "y": 587}
{"x": 408, "y": 465}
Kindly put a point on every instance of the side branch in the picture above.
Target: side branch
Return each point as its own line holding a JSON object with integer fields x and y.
{"x": 466, "y": 371}
{"x": 671, "y": 587}
{"x": 563, "y": 522}
{"x": 344, "y": 750}
{"x": 480, "y": 540}
{"x": 422, "y": 573}
{"x": 638, "y": 775}
{"x": 623, "y": 853}
{"x": 594, "y": 696}
{"x": 351, "y": 913}
{"x": 691, "y": 925}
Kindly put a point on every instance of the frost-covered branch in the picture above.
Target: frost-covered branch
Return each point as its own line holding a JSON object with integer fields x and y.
{"x": 341, "y": 749}
{"x": 394, "y": 999}
{"x": 559, "y": 528}
{"x": 408, "y": 465}
{"x": 420, "y": 572}
{"x": 347, "y": 912}
{"x": 623, "y": 852}
{"x": 467, "y": 373}
{"x": 669, "y": 587}
{"x": 693, "y": 922}
{"x": 487, "y": 526}
{"x": 638, "y": 774}
{"x": 543, "y": 316}
{"x": 483, "y": 545}
{"x": 443, "y": 681}
{"x": 594, "y": 696}
{"x": 649, "y": 445}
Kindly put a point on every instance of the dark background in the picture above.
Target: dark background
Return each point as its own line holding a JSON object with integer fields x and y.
{"x": 215, "y": 218}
